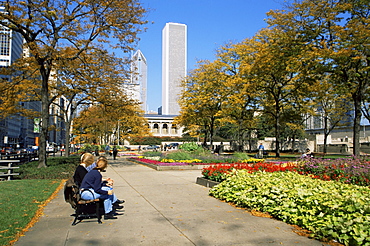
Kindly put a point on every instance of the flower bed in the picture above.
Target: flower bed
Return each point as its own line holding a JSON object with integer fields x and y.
{"x": 168, "y": 162}
{"x": 171, "y": 162}
{"x": 127, "y": 154}
{"x": 163, "y": 166}
{"x": 219, "y": 172}
{"x": 329, "y": 209}
{"x": 349, "y": 171}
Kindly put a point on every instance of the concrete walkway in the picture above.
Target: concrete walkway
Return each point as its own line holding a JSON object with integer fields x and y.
{"x": 162, "y": 208}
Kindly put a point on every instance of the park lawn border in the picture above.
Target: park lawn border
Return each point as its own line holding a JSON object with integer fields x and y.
{"x": 169, "y": 168}
{"x": 206, "y": 182}
{"x": 38, "y": 213}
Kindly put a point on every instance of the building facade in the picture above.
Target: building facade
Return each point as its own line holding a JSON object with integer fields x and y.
{"x": 29, "y": 131}
{"x": 162, "y": 126}
{"x": 139, "y": 79}
{"x": 174, "y": 55}
{"x": 11, "y": 45}
{"x": 57, "y": 132}
{"x": 13, "y": 132}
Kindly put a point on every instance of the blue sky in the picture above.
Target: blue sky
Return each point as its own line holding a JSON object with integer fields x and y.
{"x": 210, "y": 24}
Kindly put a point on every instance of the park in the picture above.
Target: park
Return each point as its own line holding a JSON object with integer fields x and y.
{"x": 295, "y": 82}
{"x": 319, "y": 196}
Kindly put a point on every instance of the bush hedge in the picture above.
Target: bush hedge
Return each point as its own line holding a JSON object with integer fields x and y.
{"x": 58, "y": 168}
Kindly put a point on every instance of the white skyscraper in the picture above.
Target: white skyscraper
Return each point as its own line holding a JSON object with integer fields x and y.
{"x": 139, "y": 78}
{"x": 10, "y": 45}
{"x": 174, "y": 49}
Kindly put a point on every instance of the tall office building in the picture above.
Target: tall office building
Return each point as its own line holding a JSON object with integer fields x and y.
{"x": 139, "y": 78}
{"x": 11, "y": 49}
{"x": 10, "y": 45}
{"x": 174, "y": 50}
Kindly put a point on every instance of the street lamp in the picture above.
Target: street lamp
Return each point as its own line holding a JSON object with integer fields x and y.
{"x": 118, "y": 133}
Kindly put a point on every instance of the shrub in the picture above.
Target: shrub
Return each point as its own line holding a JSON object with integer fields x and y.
{"x": 241, "y": 156}
{"x": 215, "y": 159}
{"x": 190, "y": 147}
{"x": 151, "y": 153}
{"x": 58, "y": 168}
{"x": 178, "y": 155}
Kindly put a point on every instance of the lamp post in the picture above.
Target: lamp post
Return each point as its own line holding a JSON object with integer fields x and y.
{"x": 118, "y": 133}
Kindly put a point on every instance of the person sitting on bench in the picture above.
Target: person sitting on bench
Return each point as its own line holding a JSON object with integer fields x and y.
{"x": 108, "y": 185}
{"x": 308, "y": 153}
{"x": 87, "y": 160}
{"x": 92, "y": 188}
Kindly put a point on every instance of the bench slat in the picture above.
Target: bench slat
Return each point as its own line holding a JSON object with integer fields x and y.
{"x": 7, "y": 174}
{"x": 7, "y": 161}
{"x": 87, "y": 201}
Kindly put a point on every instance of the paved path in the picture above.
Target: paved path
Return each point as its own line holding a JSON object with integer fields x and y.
{"x": 162, "y": 208}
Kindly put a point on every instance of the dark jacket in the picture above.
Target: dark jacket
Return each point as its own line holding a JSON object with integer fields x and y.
{"x": 71, "y": 193}
{"x": 93, "y": 180}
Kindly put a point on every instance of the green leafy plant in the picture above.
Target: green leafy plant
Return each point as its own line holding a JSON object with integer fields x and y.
{"x": 328, "y": 209}
{"x": 190, "y": 146}
{"x": 220, "y": 172}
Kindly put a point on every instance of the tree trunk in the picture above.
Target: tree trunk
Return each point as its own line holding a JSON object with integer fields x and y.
{"x": 277, "y": 135}
{"x": 356, "y": 124}
{"x": 67, "y": 137}
{"x": 293, "y": 143}
{"x": 211, "y": 132}
{"x": 325, "y": 149}
{"x": 326, "y": 134}
{"x": 44, "y": 117}
{"x": 205, "y": 138}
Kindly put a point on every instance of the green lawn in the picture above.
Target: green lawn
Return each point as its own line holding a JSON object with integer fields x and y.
{"x": 19, "y": 202}
{"x": 20, "y": 199}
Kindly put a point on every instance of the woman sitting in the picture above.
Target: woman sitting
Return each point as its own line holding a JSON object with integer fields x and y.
{"x": 87, "y": 160}
{"x": 92, "y": 188}
{"x": 108, "y": 185}
{"x": 308, "y": 153}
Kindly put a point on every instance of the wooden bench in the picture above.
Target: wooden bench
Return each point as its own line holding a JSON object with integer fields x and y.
{"x": 7, "y": 165}
{"x": 318, "y": 154}
{"x": 84, "y": 209}
{"x": 82, "y": 213}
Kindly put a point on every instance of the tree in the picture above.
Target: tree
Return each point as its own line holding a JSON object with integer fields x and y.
{"x": 59, "y": 31}
{"x": 201, "y": 99}
{"x": 338, "y": 32}
{"x": 92, "y": 78}
{"x": 241, "y": 94}
{"x": 279, "y": 73}
{"x": 110, "y": 123}
{"x": 331, "y": 108}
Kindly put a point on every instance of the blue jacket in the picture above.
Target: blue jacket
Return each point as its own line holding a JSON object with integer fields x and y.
{"x": 93, "y": 180}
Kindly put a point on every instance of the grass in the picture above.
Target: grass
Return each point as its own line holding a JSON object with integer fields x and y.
{"x": 20, "y": 202}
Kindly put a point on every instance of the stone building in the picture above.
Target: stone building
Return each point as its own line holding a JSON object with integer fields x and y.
{"x": 162, "y": 125}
